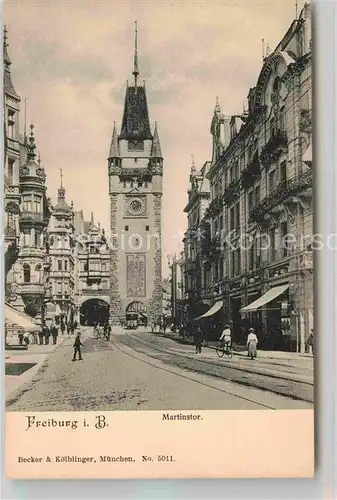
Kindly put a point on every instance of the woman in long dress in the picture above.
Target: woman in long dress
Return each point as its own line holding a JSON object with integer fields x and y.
{"x": 252, "y": 343}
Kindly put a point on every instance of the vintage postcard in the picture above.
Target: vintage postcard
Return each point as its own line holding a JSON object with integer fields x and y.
{"x": 158, "y": 233}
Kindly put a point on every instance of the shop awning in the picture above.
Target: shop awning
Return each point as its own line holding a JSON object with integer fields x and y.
{"x": 267, "y": 297}
{"x": 22, "y": 320}
{"x": 214, "y": 309}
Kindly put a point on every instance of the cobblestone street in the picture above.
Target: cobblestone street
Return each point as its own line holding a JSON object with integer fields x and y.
{"x": 128, "y": 374}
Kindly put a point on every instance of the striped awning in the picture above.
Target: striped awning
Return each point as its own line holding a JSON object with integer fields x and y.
{"x": 13, "y": 317}
{"x": 265, "y": 298}
{"x": 213, "y": 310}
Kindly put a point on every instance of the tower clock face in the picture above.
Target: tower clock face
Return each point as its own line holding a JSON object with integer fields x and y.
{"x": 136, "y": 206}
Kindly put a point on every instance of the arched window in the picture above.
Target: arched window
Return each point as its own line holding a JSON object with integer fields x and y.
{"x": 38, "y": 273}
{"x": 26, "y": 273}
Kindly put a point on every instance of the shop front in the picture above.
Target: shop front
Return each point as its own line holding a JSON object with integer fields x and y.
{"x": 269, "y": 315}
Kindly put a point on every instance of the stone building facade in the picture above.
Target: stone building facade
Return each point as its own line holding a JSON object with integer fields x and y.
{"x": 30, "y": 271}
{"x": 135, "y": 169}
{"x": 260, "y": 212}
{"x": 92, "y": 271}
{"x": 197, "y": 276}
{"x": 61, "y": 240}
{"x": 11, "y": 162}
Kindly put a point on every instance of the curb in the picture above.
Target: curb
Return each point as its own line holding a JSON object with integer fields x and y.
{"x": 14, "y": 396}
{"x": 257, "y": 371}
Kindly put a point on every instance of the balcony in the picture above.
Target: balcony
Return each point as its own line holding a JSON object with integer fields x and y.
{"x": 277, "y": 143}
{"x": 10, "y": 232}
{"x": 32, "y": 252}
{"x": 32, "y": 217}
{"x": 251, "y": 173}
{"x": 295, "y": 186}
{"x": 190, "y": 265}
{"x": 32, "y": 289}
{"x": 305, "y": 121}
{"x": 12, "y": 144}
{"x": 95, "y": 293}
{"x": 215, "y": 206}
{"x": 231, "y": 192}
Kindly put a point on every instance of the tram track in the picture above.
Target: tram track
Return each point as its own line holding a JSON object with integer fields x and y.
{"x": 296, "y": 390}
{"x": 190, "y": 378}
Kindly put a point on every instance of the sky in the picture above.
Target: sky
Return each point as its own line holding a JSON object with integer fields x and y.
{"x": 71, "y": 60}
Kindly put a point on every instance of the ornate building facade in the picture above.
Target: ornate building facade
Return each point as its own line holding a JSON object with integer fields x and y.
{"x": 135, "y": 168}
{"x": 12, "y": 197}
{"x": 61, "y": 240}
{"x": 260, "y": 212}
{"x": 92, "y": 271}
{"x": 29, "y": 272}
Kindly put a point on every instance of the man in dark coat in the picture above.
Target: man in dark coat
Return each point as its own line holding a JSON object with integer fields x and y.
{"x": 41, "y": 336}
{"x": 77, "y": 347}
{"x": 198, "y": 337}
{"x": 46, "y": 334}
{"x": 54, "y": 333}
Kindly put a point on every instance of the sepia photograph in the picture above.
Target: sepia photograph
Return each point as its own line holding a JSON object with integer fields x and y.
{"x": 158, "y": 206}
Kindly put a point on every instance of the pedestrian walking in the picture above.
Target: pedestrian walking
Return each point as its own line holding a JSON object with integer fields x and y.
{"x": 252, "y": 343}
{"x": 198, "y": 337}
{"x": 310, "y": 341}
{"x": 77, "y": 347}
{"x": 54, "y": 332}
{"x": 63, "y": 327}
{"x": 20, "y": 335}
{"x": 46, "y": 334}
{"x": 41, "y": 336}
{"x": 26, "y": 338}
{"x": 68, "y": 328}
{"x": 108, "y": 334}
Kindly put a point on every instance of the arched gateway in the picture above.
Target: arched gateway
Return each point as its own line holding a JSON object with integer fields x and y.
{"x": 94, "y": 311}
{"x": 136, "y": 314}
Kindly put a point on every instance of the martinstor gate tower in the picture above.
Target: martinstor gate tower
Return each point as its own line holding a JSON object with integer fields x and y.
{"x": 135, "y": 165}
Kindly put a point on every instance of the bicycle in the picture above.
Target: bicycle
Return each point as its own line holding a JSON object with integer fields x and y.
{"x": 224, "y": 349}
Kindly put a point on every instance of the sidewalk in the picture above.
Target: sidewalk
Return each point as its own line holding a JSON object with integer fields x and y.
{"x": 239, "y": 350}
{"x": 26, "y": 363}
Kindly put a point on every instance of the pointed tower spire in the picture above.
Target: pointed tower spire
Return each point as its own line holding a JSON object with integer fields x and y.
{"x": 217, "y": 108}
{"x": 92, "y": 218}
{"x": 135, "y": 62}
{"x": 7, "y": 60}
{"x": 31, "y": 155}
{"x": 61, "y": 193}
{"x": 193, "y": 169}
{"x": 156, "y": 149}
{"x": 114, "y": 146}
{"x": 8, "y": 85}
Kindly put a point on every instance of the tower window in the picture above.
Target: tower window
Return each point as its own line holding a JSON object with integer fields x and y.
{"x": 145, "y": 184}
{"x": 140, "y": 184}
{"x": 11, "y": 124}
{"x": 10, "y": 170}
{"x": 59, "y": 265}
{"x": 147, "y": 228}
{"x": 136, "y": 160}
{"x": 26, "y": 273}
{"x": 126, "y": 228}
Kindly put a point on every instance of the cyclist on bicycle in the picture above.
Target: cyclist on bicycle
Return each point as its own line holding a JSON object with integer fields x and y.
{"x": 226, "y": 337}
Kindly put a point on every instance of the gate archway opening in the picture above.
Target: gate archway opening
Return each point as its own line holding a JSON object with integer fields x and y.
{"x": 94, "y": 311}
{"x": 136, "y": 311}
